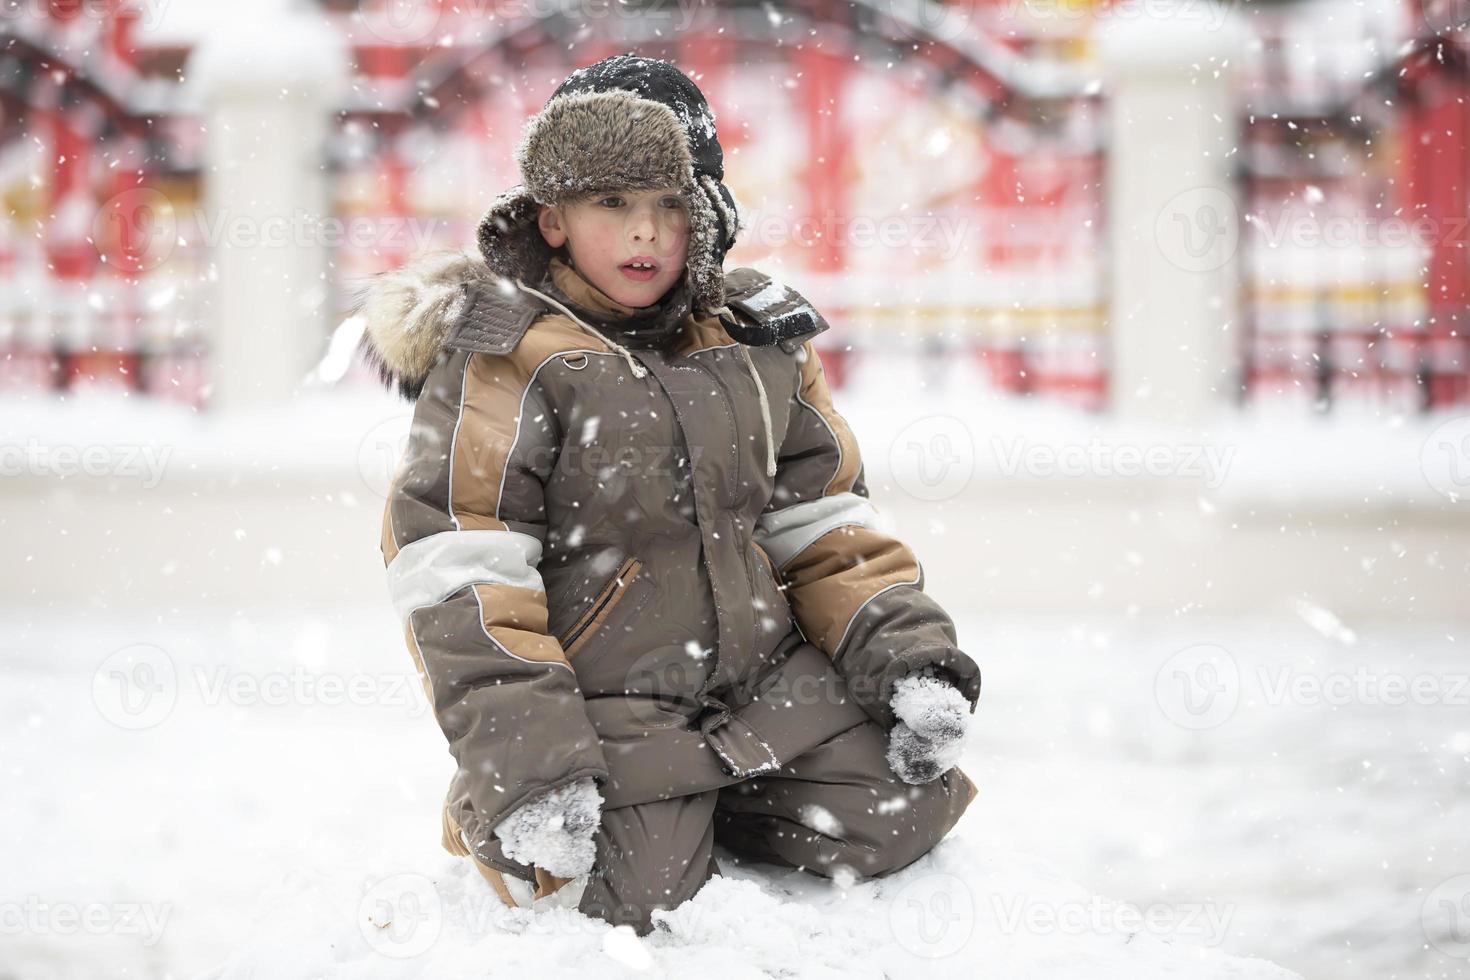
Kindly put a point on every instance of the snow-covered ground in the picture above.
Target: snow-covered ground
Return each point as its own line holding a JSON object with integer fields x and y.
{"x": 198, "y": 790}
{"x": 233, "y": 793}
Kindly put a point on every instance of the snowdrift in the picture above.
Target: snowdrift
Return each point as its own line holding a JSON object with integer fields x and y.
{"x": 953, "y": 914}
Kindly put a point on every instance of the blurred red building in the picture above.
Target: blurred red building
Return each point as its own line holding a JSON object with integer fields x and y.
{"x": 938, "y": 182}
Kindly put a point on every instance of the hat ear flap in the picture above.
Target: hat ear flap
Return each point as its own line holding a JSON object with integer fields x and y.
{"x": 725, "y": 209}
{"x": 714, "y": 223}
{"x": 510, "y": 238}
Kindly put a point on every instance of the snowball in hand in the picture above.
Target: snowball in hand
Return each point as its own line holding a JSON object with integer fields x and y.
{"x": 555, "y": 830}
{"x": 929, "y": 737}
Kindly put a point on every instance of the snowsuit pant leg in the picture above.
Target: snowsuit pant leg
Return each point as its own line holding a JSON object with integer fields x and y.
{"x": 650, "y": 856}
{"x": 836, "y": 805}
{"x": 840, "y": 804}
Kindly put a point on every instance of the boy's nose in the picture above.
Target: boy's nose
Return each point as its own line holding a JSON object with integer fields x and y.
{"x": 642, "y": 228}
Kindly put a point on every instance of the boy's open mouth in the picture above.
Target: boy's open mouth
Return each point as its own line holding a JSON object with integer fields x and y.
{"x": 640, "y": 269}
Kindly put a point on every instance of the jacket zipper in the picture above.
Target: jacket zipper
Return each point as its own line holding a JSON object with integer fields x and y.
{"x": 605, "y": 600}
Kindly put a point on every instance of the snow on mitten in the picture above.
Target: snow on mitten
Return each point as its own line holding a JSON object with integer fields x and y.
{"x": 934, "y": 719}
{"x": 555, "y": 830}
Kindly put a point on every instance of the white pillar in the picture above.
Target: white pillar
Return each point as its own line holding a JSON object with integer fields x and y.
{"x": 267, "y": 86}
{"x": 1173, "y": 208}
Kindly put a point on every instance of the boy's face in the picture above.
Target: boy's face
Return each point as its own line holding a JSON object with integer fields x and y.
{"x": 607, "y": 232}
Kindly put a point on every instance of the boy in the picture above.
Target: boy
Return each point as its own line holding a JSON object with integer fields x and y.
{"x": 630, "y": 539}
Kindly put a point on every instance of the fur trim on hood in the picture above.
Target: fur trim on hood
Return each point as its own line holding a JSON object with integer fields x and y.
{"x": 410, "y": 316}
{"x": 407, "y": 315}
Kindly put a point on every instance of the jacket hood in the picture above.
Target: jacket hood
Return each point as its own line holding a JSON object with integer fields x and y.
{"x": 410, "y": 316}
{"x": 406, "y": 315}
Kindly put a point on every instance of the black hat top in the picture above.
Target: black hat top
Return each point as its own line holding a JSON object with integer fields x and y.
{"x": 661, "y": 81}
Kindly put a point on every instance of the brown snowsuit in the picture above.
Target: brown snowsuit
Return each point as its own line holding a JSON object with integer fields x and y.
{"x": 599, "y": 574}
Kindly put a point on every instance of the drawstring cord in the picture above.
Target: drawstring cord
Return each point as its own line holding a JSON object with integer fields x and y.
{"x": 765, "y": 411}
{"x": 640, "y": 371}
{"x": 724, "y": 311}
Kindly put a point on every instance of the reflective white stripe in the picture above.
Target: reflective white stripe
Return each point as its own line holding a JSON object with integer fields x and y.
{"x": 785, "y": 533}
{"x": 431, "y": 569}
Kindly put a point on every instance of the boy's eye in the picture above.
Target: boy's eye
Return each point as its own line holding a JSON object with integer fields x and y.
{"x": 614, "y": 198}
{"x": 673, "y": 201}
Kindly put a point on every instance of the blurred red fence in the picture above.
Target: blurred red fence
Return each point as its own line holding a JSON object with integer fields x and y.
{"x": 937, "y": 183}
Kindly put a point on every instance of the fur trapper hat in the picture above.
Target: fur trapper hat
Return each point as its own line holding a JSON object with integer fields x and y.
{"x": 623, "y": 123}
